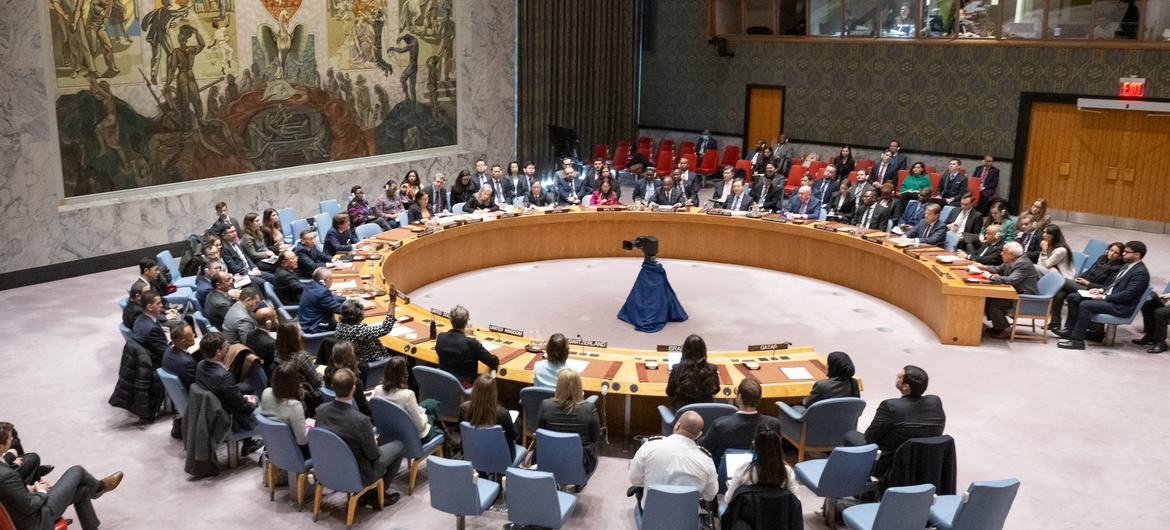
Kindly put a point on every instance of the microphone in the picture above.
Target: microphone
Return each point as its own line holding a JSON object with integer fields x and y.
{"x": 604, "y": 388}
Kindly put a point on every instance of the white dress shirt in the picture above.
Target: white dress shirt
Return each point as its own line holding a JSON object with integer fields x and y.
{"x": 675, "y": 461}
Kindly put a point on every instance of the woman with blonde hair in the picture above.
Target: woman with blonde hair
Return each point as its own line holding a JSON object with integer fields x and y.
{"x": 567, "y": 411}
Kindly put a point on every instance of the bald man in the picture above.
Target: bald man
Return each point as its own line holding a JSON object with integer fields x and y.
{"x": 677, "y": 460}
{"x": 262, "y": 340}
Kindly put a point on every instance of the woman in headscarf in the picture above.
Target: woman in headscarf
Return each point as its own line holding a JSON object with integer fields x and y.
{"x": 839, "y": 384}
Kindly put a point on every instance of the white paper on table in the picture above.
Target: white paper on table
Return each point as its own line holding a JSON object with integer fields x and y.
{"x": 673, "y": 358}
{"x": 947, "y": 259}
{"x": 412, "y": 336}
{"x": 897, "y": 230}
{"x": 798, "y": 372}
{"x": 903, "y": 242}
{"x": 351, "y": 284}
{"x": 1085, "y": 293}
{"x": 735, "y": 461}
{"x": 449, "y": 219}
{"x": 398, "y": 331}
{"x": 490, "y": 347}
{"x": 846, "y": 229}
{"x": 973, "y": 269}
{"x": 577, "y": 365}
{"x": 544, "y": 208}
{"x": 739, "y": 213}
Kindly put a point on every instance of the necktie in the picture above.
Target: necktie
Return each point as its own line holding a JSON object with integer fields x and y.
{"x": 804, "y": 208}
{"x": 882, "y": 171}
{"x": 926, "y": 233}
{"x": 735, "y": 205}
{"x": 868, "y": 216}
{"x": 650, "y": 191}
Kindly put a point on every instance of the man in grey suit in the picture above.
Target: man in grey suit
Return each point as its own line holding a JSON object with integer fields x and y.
{"x": 1020, "y": 274}
{"x": 239, "y": 322}
{"x": 646, "y": 187}
{"x": 342, "y": 418}
{"x": 219, "y": 300}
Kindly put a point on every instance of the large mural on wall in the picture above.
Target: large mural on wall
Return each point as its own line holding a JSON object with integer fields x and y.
{"x": 160, "y": 91}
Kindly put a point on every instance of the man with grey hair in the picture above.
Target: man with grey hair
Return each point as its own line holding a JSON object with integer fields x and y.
{"x": 804, "y": 205}
{"x": 439, "y": 200}
{"x": 677, "y": 460}
{"x": 318, "y": 305}
{"x": 459, "y": 353}
{"x": 1020, "y": 274}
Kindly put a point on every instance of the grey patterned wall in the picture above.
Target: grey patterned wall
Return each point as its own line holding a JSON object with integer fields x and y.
{"x": 943, "y": 98}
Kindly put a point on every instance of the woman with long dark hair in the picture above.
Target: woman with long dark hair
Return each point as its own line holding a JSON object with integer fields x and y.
{"x": 463, "y": 188}
{"x": 290, "y": 350}
{"x": 693, "y": 379}
{"x": 844, "y": 162}
{"x": 283, "y": 402}
{"x": 1055, "y": 254}
{"x": 484, "y": 410}
{"x": 344, "y": 357}
{"x": 1098, "y": 276}
{"x": 395, "y": 388}
{"x": 766, "y": 469}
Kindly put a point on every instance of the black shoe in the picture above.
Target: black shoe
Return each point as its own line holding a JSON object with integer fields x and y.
{"x": 249, "y": 446}
{"x": 1053, "y": 327}
{"x": 1071, "y": 344}
{"x": 1144, "y": 341}
{"x": 44, "y": 470}
{"x": 1095, "y": 336}
{"x": 1062, "y": 333}
{"x": 1159, "y": 347}
{"x": 1002, "y": 334}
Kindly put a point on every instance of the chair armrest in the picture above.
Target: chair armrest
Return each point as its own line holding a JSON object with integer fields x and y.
{"x": 593, "y": 398}
{"x": 1035, "y": 297}
{"x": 787, "y": 410}
{"x": 666, "y": 414}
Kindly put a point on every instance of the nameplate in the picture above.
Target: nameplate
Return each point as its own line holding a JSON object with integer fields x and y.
{"x": 425, "y": 233}
{"x": 666, "y": 348}
{"x": 719, "y": 212}
{"x": 558, "y": 210}
{"x": 876, "y": 236}
{"x": 612, "y": 208}
{"x": 440, "y": 313}
{"x": 395, "y": 245}
{"x": 768, "y": 347}
{"x": 824, "y": 226}
{"x": 473, "y": 220}
{"x": 588, "y": 343}
{"x": 776, "y": 219}
{"x": 506, "y": 331}
{"x": 910, "y": 252}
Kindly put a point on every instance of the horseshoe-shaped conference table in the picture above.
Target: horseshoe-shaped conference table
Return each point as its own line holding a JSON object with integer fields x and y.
{"x": 921, "y": 280}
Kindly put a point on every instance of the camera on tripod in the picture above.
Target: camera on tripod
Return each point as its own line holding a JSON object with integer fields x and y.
{"x": 648, "y": 244}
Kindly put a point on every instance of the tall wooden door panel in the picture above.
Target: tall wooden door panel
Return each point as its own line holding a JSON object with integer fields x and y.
{"x": 764, "y": 115}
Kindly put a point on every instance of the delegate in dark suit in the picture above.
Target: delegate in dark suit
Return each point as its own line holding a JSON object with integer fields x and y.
{"x": 215, "y": 379}
{"x": 473, "y": 203}
{"x": 811, "y": 209}
{"x": 181, "y": 364}
{"x": 130, "y": 313}
{"x": 34, "y": 510}
{"x": 438, "y": 201}
{"x": 1020, "y": 274}
{"x": 1030, "y": 240}
{"x": 317, "y": 307}
{"x": 989, "y": 254}
{"x": 736, "y": 431}
{"x": 973, "y": 224}
{"x": 348, "y": 423}
{"x": 768, "y": 193}
{"x": 149, "y": 333}
{"x": 237, "y": 262}
{"x": 929, "y": 233}
{"x": 646, "y": 190}
{"x": 309, "y": 259}
{"x": 287, "y": 286}
{"x": 988, "y": 184}
{"x": 459, "y": 356}
{"x": 672, "y": 197}
{"x": 263, "y": 345}
{"x": 566, "y": 188}
{"x": 901, "y": 419}
{"x": 953, "y": 186}
{"x": 541, "y": 199}
{"x": 741, "y": 202}
{"x": 503, "y": 188}
{"x": 873, "y": 217}
{"x": 521, "y": 185}
{"x": 339, "y": 242}
{"x": 841, "y": 205}
{"x": 823, "y": 188}
{"x": 1121, "y": 298}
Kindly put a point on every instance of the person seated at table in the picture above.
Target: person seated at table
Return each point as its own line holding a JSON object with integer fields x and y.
{"x": 839, "y": 383}
{"x": 767, "y": 191}
{"x": 687, "y": 181}
{"x": 437, "y": 194}
{"x": 483, "y": 409}
{"x": 693, "y": 379}
{"x": 930, "y": 230}
{"x": 989, "y": 253}
{"x": 737, "y": 199}
{"x": 998, "y": 214}
{"x": 725, "y": 188}
{"x": 604, "y": 195}
{"x": 569, "y": 191}
{"x": 318, "y": 305}
{"x": 913, "y": 415}
{"x": 556, "y": 354}
{"x": 339, "y": 238}
{"x": 803, "y": 206}
{"x": 536, "y": 197}
{"x": 1054, "y": 254}
{"x": 1098, "y": 276}
{"x": 915, "y": 211}
{"x": 133, "y": 304}
{"x": 359, "y": 210}
{"x": 824, "y": 187}
{"x": 366, "y": 338}
{"x": 213, "y": 376}
{"x": 339, "y": 417}
{"x": 1122, "y": 297}
{"x": 737, "y": 431}
{"x": 239, "y": 320}
{"x": 262, "y": 340}
{"x": 872, "y": 214}
{"x": 420, "y": 211}
{"x": 458, "y": 351}
{"x": 309, "y": 257}
{"x": 841, "y": 203}
{"x": 148, "y": 330}
{"x": 388, "y": 205}
{"x": 912, "y": 186}
{"x": 283, "y": 402}
{"x": 965, "y": 219}
{"x": 677, "y": 460}
{"x": 464, "y": 187}
{"x": 668, "y": 194}
{"x": 646, "y": 188}
{"x": 285, "y": 281}
{"x": 1016, "y": 271}
{"x": 481, "y": 202}
{"x": 607, "y": 173}
{"x": 237, "y": 261}
{"x": 767, "y": 468}
{"x": 344, "y": 358}
{"x": 395, "y": 388}
{"x": 567, "y": 411}
{"x": 253, "y": 243}
{"x": 176, "y": 360}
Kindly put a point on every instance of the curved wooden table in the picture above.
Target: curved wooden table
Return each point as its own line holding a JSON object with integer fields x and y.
{"x": 910, "y": 279}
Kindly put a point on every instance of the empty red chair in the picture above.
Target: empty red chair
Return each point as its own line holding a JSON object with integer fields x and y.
{"x": 645, "y": 140}
{"x": 746, "y": 167}
{"x": 794, "y": 176}
{"x": 816, "y": 167}
{"x": 625, "y": 142}
{"x": 621, "y": 156}
{"x": 973, "y": 187}
{"x": 931, "y": 169}
{"x": 687, "y": 146}
{"x": 690, "y": 159}
{"x": 644, "y": 150}
{"x": 853, "y": 177}
{"x": 709, "y": 164}
{"x": 662, "y": 165}
{"x": 600, "y": 151}
{"x": 867, "y": 165}
{"x": 666, "y": 144}
{"x": 935, "y": 178}
{"x": 730, "y": 155}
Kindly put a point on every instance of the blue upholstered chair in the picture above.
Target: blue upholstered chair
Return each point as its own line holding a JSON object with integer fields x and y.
{"x": 904, "y": 508}
{"x": 1111, "y": 322}
{"x": 434, "y": 383}
{"x": 298, "y": 226}
{"x": 946, "y": 212}
{"x": 327, "y": 394}
{"x": 324, "y": 222}
{"x": 283, "y": 454}
{"x": 374, "y": 373}
{"x": 287, "y": 216}
{"x": 367, "y": 230}
{"x": 822, "y": 426}
{"x": 561, "y": 454}
{"x": 1080, "y": 262}
{"x": 668, "y": 508}
{"x": 530, "y": 399}
{"x": 457, "y": 209}
{"x": 123, "y": 302}
{"x": 455, "y": 491}
{"x": 313, "y": 340}
{"x": 984, "y": 506}
{"x": 487, "y": 448}
{"x": 166, "y": 259}
{"x": 1037, "y": 306}
{"x": 952, "y": 240}
{"x": 174, "y": 389}
{"x": 126, "y": 332}
{"x": 403, "y": 218}
{"x": 843, "y": 474}
{"x": 539, "y": 502}
{"x": 335, "y": 467}
{"x": 709, "y": 411}
{"x": 394, "y": 423}
{"x": 330, "y": 207}
{"x": 1094, "y": 249}
{"x": 286, "y": 312}
{"x": 203, "y": 324}
{"x": 518, "y": 202}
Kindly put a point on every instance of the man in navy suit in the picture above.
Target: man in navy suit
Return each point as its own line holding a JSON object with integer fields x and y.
{"x": 954, "y": 183}
{"x": 309, "y": 258}
{"x": 825, "y": 186}
{"x": 885, "y": 170}
{"x": 705, "y": 142}
{"x": 930, "y": 230}
{"x": 737, "y": 200}
{"x": 896, "y": 156}
{"x": 988, "y": 176}
{"x": 1120, "y": 298}
{"x": 147, "y": 330}
{"x": 569, "y": 191}
{"x": 804, "y": 205}
{"x": 767, "y": 190}
{"x": 318, "y": 305}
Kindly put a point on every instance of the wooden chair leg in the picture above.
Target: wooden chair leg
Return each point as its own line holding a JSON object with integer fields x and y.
{"x": 414, "y": 463}
{"x": 317, "y": 502}
{"x": 351, "y": 501}
{"x": 381, "y": 493}
{"x": 270, "y": 476}
{"x": 301, "y": 477}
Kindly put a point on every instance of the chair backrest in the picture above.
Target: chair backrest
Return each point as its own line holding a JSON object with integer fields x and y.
{"x": 794, "y": 175}
{"x": 945, "y": 213}
{"x": 1094, "y": 249}
{"x": 403, "y": 218}
{"x": 621, "y": 156}
{"x": 710, "y": 159}
{"x": 167, "y": 260}
{"x": 367, "y": 230}
{"x": 709, "y": 411}
{"x": 1079, "y": 262}
{"x": 560, "y": 453}
{"x": 987, "y": 506}
{"x": 600, "y": 151}
{"x": 374, "y": 372}
{"x": 973, "y": 186}
{"x": 901, "y": 176}
{"x": 457, "y": 208}
{"x": 730, "y": 155}
{"x": 905, "y": 508}
{"x": 1050, "y": 284}
{"x": 394, "y": 423}
{"x": 330, "y": 207}
{"x": 934, "y": 178}
{"x": 827, "y": 421}
{"x": 486, "y": 448}
{"x": 280, "y": 444}
{"x": 535, "y": 493}
{"x": 203, "y": 324}
{"x": 298, "y": 226}
{"x": 127, "y": 334}
{"x": 518, "y": 201}
{"x": 530, "y": 399}
{"x": 454, "y": 479}
{"x": 174, "y": 389}
{"x": 434, "y": 383}
{"x": 745, "y": 166}
{"x": 287, "y": 216}
{"x": 847, "y": 471}
{"x": 952, "y": 241}
{"x": 671, "y": 508}
{"x": 333, "y": 463}
{"x": 324, "y": 223}
{"x": 270, "y": 292}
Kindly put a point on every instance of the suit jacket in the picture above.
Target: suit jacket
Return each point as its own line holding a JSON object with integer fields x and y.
{"x": 236, "y": 263}
{"x": 824, "y": 188}
{"x": 149, "y": 333}
{"x": 988, "y": 180}
{"x": 703, "y": 144}
{"x": 237, "y": 323}
{"x": 899, "y": 161}
{"x": 1128, "y": 290}
{"x": 842, "y": 208}
{"x": 690, "y": 187}
{"x": 181, "y": 364}
{"x": 745, "y": 202}
{"x": 287, "y": 286}
{"x": 1031, "y": 243}
{"x": 28, "y": 510}
{"x": 675, "y": 196}
{"x": 901, "y": 419}
{"x": 988, "y": 254}
{"x": 813, "y": 210}
{"x": 438, "y": 201}
{"x": 566, "y": 188}
{"x": 459, "y": 356}
{"x": 458, "y": 196}
{"x": 1020, "y": 274}
{"x": 877, "y": 220}
{"x": 953, "y": 186}
{"x": 263, "y": 345}
{"x": 974, "y": 221}
{"x": 356, "y": 429}
{"x": 214, "y": 378}
{"x": 338, "y": 242}
{"x": 217, "y": 306}
{"x": 890, "y": 174}
{"x": 472, "y": 204}
{"x": 857, "y": 191}
{"x": 220, "y": 224}
{"x": 521, "y": 186}
{"x": 640, "y": 190}
{"x": 130, "y": 314}
{"x": 736, "y": 431}
{"x": 503, "y": 188}
{"x": 929, "y": 234}
{"x": 543, "y": 199}
{"x": 315, "y": 312}
{"x": 309, "y": 259}
{"x": 772, "y": 197}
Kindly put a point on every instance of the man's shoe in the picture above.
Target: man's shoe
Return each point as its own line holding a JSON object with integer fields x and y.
{"x": 1159, "y": 347}
{"x": 249, "y": 446}
{"x": 1144, "y": 341}
{"x": 108, "y": 484}
{"x": 1000, "y": 334}
{"x": 1062, "y": 333}
{"x": 1071, "y": 344}
{"x": 44, "y": 470}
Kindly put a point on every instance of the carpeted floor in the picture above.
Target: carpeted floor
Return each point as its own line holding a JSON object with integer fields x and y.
{"x": 1083, "y": 431}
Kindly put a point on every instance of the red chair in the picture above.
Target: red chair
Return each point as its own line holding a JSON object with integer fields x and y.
{"x": 931, "y": 169}
{"x": 621, "y": 156}
{"x": 625, "y": 142}
{"x": 7, "y": 524}
{"x": 709, "y": 164}
{"x": 794, "y": 176}
{"x": 963, "y": 171}
{"x": 901, "y": 176}
{"x": 644, "y": 150}
{"x": 662, "y": 165}
{"x": 817, "y": 166}
{"x": 973, "y": 187}
{"x": 687, "y": 146}
{"x": 867, "y": 165}
{"x": 600, "y": 151}
{"x": 645, "y": 140}
{"x": 853, "y": 177}
{"x": 935, "y": 178}
{"x": 746, "y": 166}
{"x": 690, "y": 159}
{"x": 730, "y": 155}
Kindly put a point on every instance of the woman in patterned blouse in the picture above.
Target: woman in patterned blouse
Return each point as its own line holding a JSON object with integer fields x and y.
{"x": 365, "y": 337}
{"x": 388, "y": 206}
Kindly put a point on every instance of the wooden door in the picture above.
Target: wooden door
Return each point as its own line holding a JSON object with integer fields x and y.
{"x": 763, "y": 116}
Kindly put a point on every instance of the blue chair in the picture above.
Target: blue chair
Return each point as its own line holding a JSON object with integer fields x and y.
{"x": 946, "y": 212}
{"x": 487, "y": 449}
{"x": 843, "y": 474}
{"x": 952, "y": 241}
{"x": 232, "y": 440}
{"x": 324, "y": 223}
{"x": 125, "y": 331}
{"x": 540, "y": 504}
{"x": 330, "y": 207}
{"x": 709, "y": 411}
{"x": 530, "y": 400}
{"x": 461, "y": 495}
{"x": 1037, "y": 306}
{"x": 904, "y": 508}
{"x": 434, "y": 383}
{"x": 174, "y": 389}
{"x": 1111, "y": 322}
{"x": 298, "y": 226}
{"x": 327, "y": 394}
{"x": 669, "y": 508}
{"x": 394, "y": 423}
{"x": 519, "y": 201}
{"x": 561, "y": 454}
{"x": 367, "y": 230}
{"x": 284, "y": 454}
{"x": 336, "y": 468}
{"x": 403, "y": 218}
{"x": 822, "y": 426}
{"x": 203, "y": 324}
{"x": 985, "y": 507}
{"x": 286, "y": 312}
{"x": 287, "y": 216}
{"x": 1094, "y": 249}
{"x": 1080, "y": 262}
{"x": 166, "y": 259}
{"x": 374, "y": 372}
{"x": 457, "y": 208}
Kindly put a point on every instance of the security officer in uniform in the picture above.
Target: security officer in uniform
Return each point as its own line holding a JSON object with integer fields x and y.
{"x": 677, "y": 460}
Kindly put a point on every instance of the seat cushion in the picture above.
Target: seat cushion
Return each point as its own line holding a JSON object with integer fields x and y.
{"x": 487, "y": 490}
{"x": 942, "y": 513}
{"x": 861, "y": 516}
{"x": 809, "y": 473}
{"x": 566, "y": 502}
